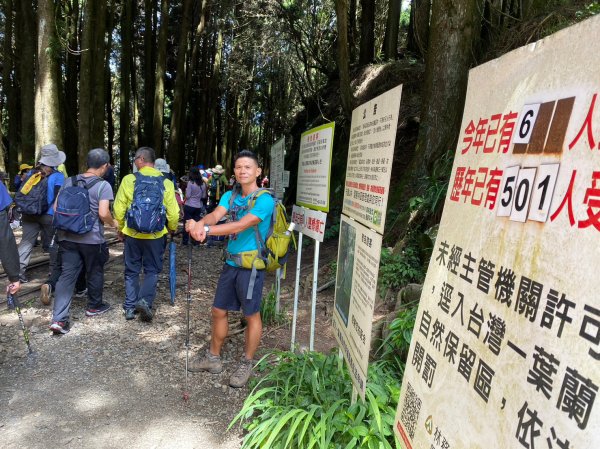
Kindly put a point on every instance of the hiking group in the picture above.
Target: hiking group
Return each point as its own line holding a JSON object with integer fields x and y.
{"x": 70, "y": 214}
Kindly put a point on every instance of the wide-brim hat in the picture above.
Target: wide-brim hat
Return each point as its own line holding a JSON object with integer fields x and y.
{"x": 51, "y": 156}
{"x": 218, "y": 170}
{"x": 162, "y": 166}
{"x": 25, "y": 167}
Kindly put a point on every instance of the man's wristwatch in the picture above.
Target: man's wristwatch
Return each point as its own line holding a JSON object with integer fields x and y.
{"x": 206, "y": 229}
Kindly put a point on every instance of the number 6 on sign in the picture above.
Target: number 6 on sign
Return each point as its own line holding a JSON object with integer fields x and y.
{"x": 542, "y": 192}
{"x": 523, "y": 190}
{"x": 526, "y": 121}
{"x": 507, "y": 190}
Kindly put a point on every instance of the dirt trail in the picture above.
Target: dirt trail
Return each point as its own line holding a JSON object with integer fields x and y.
{"x": 110, "y": 383}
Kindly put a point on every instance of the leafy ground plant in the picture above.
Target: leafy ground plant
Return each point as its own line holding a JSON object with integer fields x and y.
{"x": 303, "y": 402}
{"x": 397, "y": 270}
{"x": 394, "y": 348}
{"x": 268, "y": 310}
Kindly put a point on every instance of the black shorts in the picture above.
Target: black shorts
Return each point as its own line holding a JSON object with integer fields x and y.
{"x": 232, "y": 290}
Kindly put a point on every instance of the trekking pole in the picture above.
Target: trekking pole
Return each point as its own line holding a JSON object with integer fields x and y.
{"x": 186, "y": 394}
{"x": 13, "y": 303}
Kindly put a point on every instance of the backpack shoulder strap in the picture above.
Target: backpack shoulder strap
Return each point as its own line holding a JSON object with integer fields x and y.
{"x": 91, "y": 184}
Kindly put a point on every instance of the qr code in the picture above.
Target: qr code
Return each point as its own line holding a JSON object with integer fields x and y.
{"x": 410, "y": 410}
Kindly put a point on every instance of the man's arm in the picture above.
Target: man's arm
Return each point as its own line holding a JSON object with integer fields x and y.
{"x": 105, "y": 215}
{"x": 171, "y": 205}
{"x": 123, "y": 199}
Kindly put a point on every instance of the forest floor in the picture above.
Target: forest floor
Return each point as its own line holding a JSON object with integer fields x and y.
{"x": 112, "y": 383}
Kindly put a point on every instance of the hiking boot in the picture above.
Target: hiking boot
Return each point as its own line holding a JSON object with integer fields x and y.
{"x": 129, "y": 314}
{"x": 241, "y": 375}
{"x": 60, "y": 327}
{"x": 211, "y": 363}
{"x": 102, "y": 308}
{"x": 45, "y": 292}
{"x": 81, "y": 293}
{"x": 144, "y": 310}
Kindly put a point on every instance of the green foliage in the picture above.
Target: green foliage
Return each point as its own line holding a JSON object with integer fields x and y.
{"x": 332, "y": 232}
{"x": 394, "y": 348}
{"x": 397, "y": 270}
{"x": 268, "y": 310}
{"x": 590, "y": 10}
{"x": 304, "y": 402}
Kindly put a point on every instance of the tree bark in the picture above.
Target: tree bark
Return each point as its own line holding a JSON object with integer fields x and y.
{"x": 159, "y": 92}
{"x": 178, "y": 111}
{"x": 26, "y": 58}
{"x": 72, "y": 59}
{"x": 125, "y": 98}
{"x": 9, "y": 90}
{"x": 418, "y": 28}
{"x": 48, "y": 120}
{"x": 455, "y": 26}
{"x": 392, "y": 27}
{"x": 149, "y": 71}
{"x": 110, "y": 124}
{"x": 367, "y": 31}
{"x": 341, "y": 10}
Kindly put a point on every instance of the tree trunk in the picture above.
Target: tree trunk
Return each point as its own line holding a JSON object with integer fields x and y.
{"x": 341, "y": 10}
{"x": 26, "y": 58}
{"x": 178, "y": 111}
{"x": 9, "y": 90}
{"x": 392, "y": 27}
{"x": 418, "y": 28}
{"x": 367, "y": 31}
{"x": 110, "y": 124}
{"x": 455, "y": 26}
{"x": 73, "y": 18}
{"x": 48, "y": 120}
{"x": 125, "y": 98}
{"x": 149, "y": 71}
{"x": 159, "y": 92}
{"x": 352, "y": 32}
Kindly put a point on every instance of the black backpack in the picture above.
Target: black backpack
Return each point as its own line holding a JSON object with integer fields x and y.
{"x": 35, "y": 201}
{"x": 147, "y": 213}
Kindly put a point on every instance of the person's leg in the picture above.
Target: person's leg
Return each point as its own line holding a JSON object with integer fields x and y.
{"x": 152, "y": 261}
{"x": 31, "y": 229}
{"x": 66, "y": 282}
{"x": 133, "y": 266}
{"x": 94, "y": 258}
{"x": 219, "y": 330}
{"x": 253, "y": 333}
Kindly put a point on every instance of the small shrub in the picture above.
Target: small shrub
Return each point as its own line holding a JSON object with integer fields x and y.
{"x": 397, "y": 270}
{"x": 394, "y": 348}
{"x": 268, "y": 310}
{"x": 303, "y": 401}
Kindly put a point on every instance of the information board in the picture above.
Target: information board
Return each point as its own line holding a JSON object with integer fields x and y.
{"x": 355, "y": 290}
{"x": 314, "y": 167}
{"x": 370, "y": 157}
{"x": 505, "y": 351}
{"x": 277, "y": 166}
{"x": 309, "y": 222}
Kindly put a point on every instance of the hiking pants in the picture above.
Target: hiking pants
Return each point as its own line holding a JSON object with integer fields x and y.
{"x": 75, "y": 256}
{"x": 57, "y": 270}
{"x": 190, "y": 213}
{"x": 33, "y": 225}
{"x": 146, "y": 254}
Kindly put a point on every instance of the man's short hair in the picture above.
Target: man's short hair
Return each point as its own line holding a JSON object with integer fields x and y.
{"x": 145, "y": 153}
{"x": 246, "y": 153}
{"x": 97, "y": 158}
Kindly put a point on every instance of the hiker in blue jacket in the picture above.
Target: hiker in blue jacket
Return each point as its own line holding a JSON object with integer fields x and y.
{"x": 9, "y": 256}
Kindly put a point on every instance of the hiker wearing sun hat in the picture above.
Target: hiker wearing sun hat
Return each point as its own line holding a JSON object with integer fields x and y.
{"x": 19, "y": 177}
{"x": 35, "y": 198}
{"x": 217, "y": 186}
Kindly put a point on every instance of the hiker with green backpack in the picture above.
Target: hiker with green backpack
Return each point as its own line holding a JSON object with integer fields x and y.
{"x": 241, "y": 282}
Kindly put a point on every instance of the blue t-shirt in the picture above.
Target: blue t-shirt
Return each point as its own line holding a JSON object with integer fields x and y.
{"x": 263, "y": 209}
{"x": 56, "y": 179}
{"x": 5, "y": 198}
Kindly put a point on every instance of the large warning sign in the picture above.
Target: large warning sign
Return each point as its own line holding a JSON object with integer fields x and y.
{"x": 370, "y": 157}
{"x": 277, "y": 166}
{"x": 505, "y": 351}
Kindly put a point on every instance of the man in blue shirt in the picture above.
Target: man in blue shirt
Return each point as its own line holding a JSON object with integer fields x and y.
{"x": 235, "y": 289}
{"x": 33, "y": 225}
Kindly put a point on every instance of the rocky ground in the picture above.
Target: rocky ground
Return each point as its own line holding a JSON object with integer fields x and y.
{"x": 110, "y": 383}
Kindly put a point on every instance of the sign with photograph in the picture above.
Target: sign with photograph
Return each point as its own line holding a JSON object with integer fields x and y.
{"x": 314, "y": 167}
{"x": 355, "y": 290}
{"x": 370, "y": 157}
{"x": 506, "y": 347}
